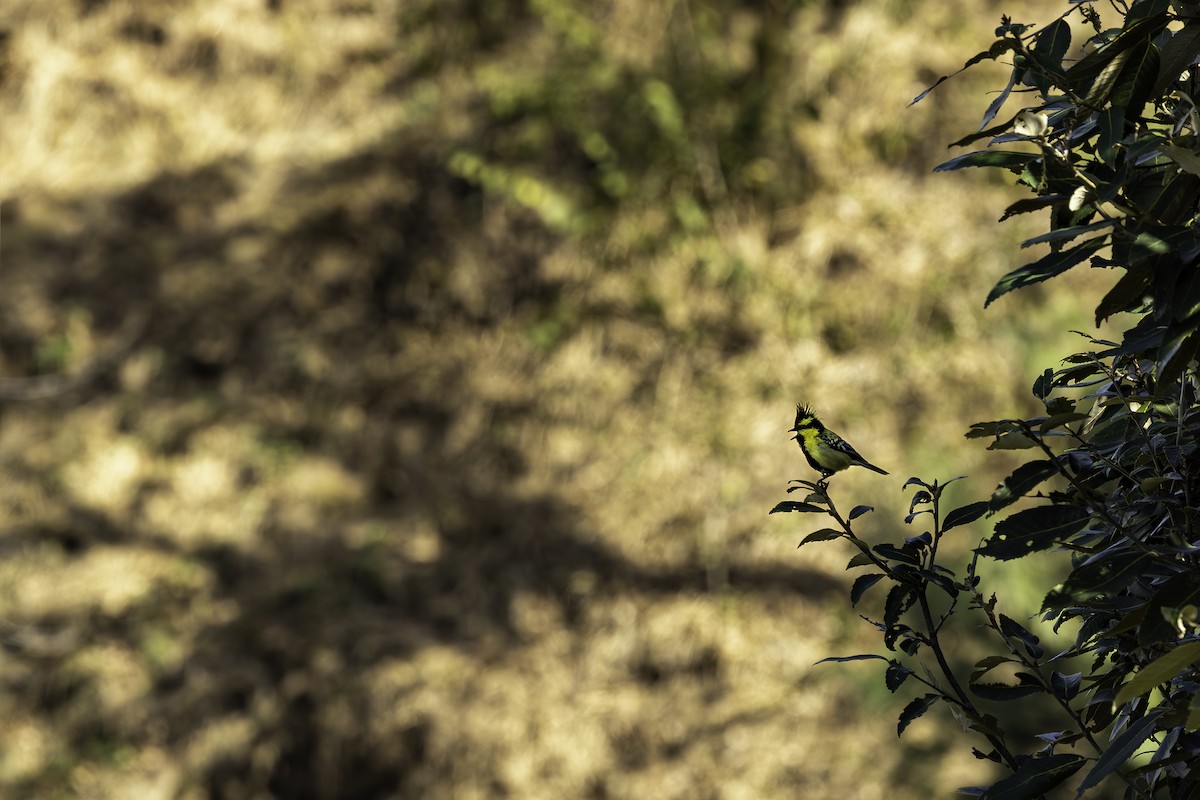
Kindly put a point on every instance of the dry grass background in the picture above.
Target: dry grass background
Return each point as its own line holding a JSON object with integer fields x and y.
{"x": 401, "y": 465}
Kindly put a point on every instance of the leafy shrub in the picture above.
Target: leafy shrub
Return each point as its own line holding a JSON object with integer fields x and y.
{"x": 1109, "y": 145}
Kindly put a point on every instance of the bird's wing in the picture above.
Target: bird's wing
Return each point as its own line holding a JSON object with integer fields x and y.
{"x": 844, "y": 446}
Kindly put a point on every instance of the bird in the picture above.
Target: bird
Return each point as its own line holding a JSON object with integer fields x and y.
{"x": 826, "y": 452}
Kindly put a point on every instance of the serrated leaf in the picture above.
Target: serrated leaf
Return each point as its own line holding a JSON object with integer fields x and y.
{"x": 1014, "y": 630}
{"x": 1046, "y": 267}
{"x": 1101, "y": 575}
{"x": 895, "y": 675}
{"x": 994, "y": 428}
{"x": 964, "y": 515}
{"x": 860, "y": 560}
{"x": 906, "y": 554}
{"x": 1160, "y": 670}
{"x": 1033, "y": 530}
{"x": 1036, "y": 776}
{"x": 1029, "y": 204}
{"x": 792, "y": 505}
{"x": 985, "y": 665}
{"x": 1119, "y": 750}
{"x": 858, "y": 511}
{"x": 989, "y": 158}
{"x": 1126, "y": 293}
{"x": 823, "y": 535}
{"x": 914, "y": 710}
{"x": 899, "y": 600}
{"x": 1058, "y": 420}
{"x": 1013, "y": 440}
{"x": 1022, "y": 481}
{"x": 861, "y": 584}
{"x": 943, "y": 582}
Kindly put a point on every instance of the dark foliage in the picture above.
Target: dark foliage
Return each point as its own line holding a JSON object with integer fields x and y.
{"x": 1108, "y": 144}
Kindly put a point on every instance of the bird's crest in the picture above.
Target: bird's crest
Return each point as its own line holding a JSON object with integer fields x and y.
{"x": 806, "y": 417}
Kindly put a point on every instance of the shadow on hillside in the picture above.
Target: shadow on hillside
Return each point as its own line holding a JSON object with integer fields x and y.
{"x": 355, "y": 261}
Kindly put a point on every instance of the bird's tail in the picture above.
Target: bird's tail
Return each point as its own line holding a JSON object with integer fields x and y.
{"x": 872, "y": 467}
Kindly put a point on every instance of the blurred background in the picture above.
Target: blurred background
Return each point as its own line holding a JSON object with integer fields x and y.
{"x": 392, "y": 394}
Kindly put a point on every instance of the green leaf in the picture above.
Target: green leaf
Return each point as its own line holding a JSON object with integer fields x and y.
{"x": 1059, "y": 420}
{"x": 1029, "y": 204}
{"x": 899, "y": 600}
{"x": 860, "y": 560}
{"x": 914, "y": 710}
{"x": 1033, "y": 530}
{"x": 1128, "y": 292}
{"x": 1070, "y": 232}
{"x": 1022, "y": 481}
{"x": 1066, "y": 686}
{"x": 1003, "y": 692}
{"x": 906, "y": 554}
{"x": 989, "y": 158}
{"x": 823, "y": 535}
{"x": 1052, "y": 44}
{"x": 1097, "y": 61}
{"x": 998, "y": 48}
{"x": 863, "y": 657}
{"x": 995, "y": 130}
{"x": 895, "y": 675}
{"x": 1013, "y": 440}
{"x": 1045, "y": 268}
{"x": 994, "y": 107}
{"x": 1132, "y": 90}
{"x": 1181, "y": 590}
{"x": 943, "y": 582}
{"x": 1160, "y": 670}
{"x": 1176, "y": 357}
{"x": 1177, "y": 54}
{"x": 1014, "y": 630}
{"x": 994, "y": 428}
{"x": 1112, "y": 130}
{"x": 1120, "y": 750}
{"x": 1186, "y": 159}
{"x": 964, "y": 515}
{"x": 858, "y": 511}
{"x": 1109, "y": 574}
{"x": 861, "y": 584}
{"x": 985, "y": 665}
{"x": 792, "y": 505}
{"x": 1036, "y": 776}
{"x": 1044, "y": 384}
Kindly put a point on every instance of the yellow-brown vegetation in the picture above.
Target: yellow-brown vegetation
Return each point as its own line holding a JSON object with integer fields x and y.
{"x": 386, "y": 446}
